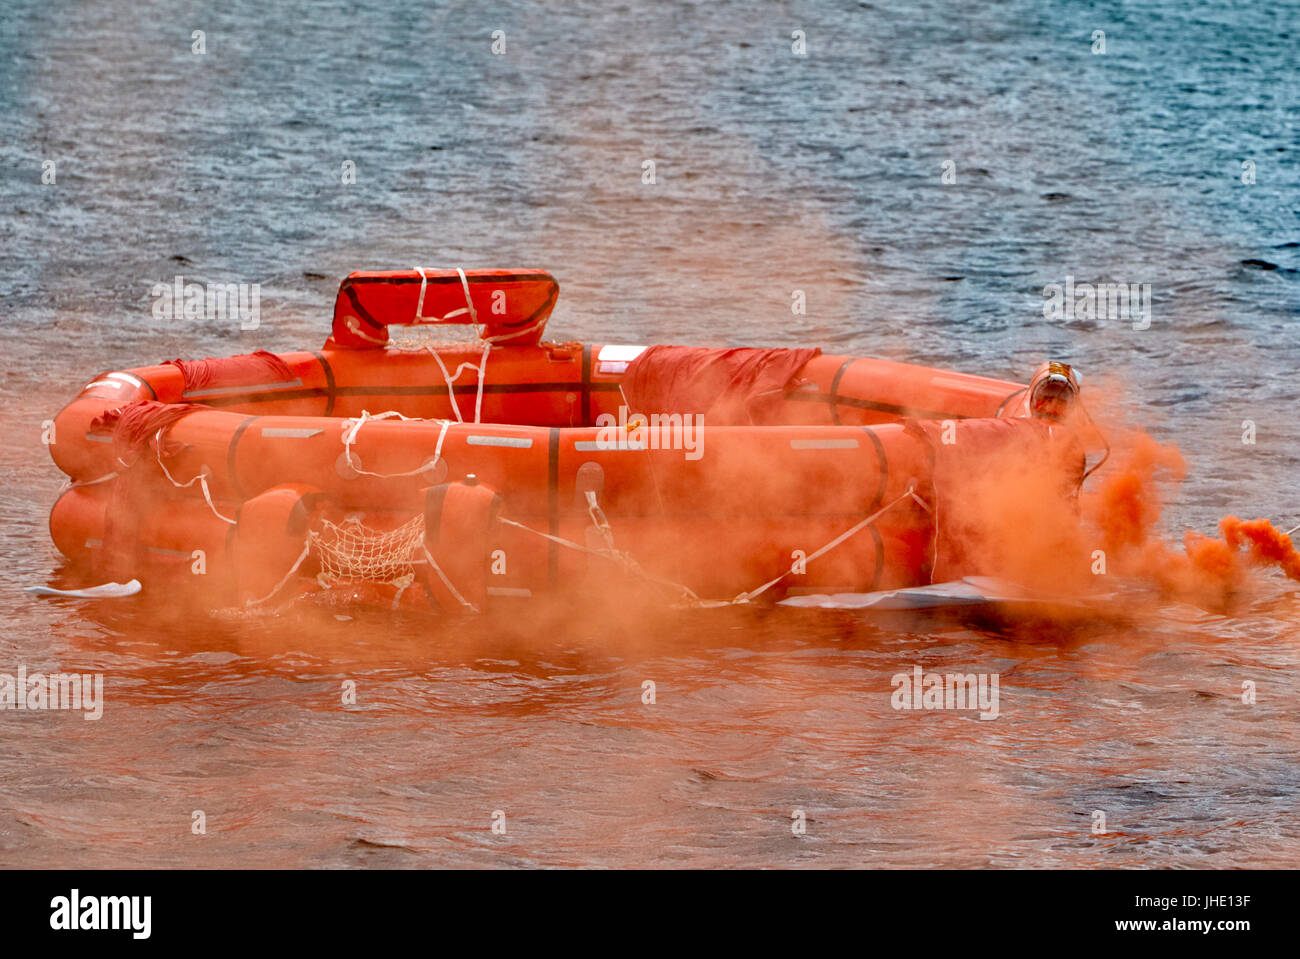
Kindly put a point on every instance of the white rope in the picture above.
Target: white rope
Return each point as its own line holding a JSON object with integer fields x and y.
{"x": 420, "y": 318}
{"x": 469, "y": 302}
{"x": 95, "y": 482}
{"x": 419, "y": 307}
{"x": 352, "y": 427}
{"x": 468, "y": 308}
{"x": 201, "y": 479}
{"x": 354, "y": 326}
{"x": 306, "y": 551}
{"x": 451, "y": 378}
{"x": 630, "y": 563}
{"x": 482, "y": 375}
{"x": 625, "y": 559}
{"x": 482, "y": 363}
{"x": 599, "y": 520}
{"x": 445, "y": 581}
{"x": 910, "y": 492}
{"x": 442, "y": 435}
{"x": 501, "y": 337}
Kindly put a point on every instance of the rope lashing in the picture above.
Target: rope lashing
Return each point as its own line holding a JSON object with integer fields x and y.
{"x": 353, "y": 426}
{"x": 599, "y": 520}
{"x": 306, "y": 551}
{"x": 909, "y": 493}
{"x": 467, "y": 308}
{"x": 451, "y": 378}
{"x": 624, "y": 559}
{"x": 631, "y": 565}
{"x": 201, "y": 479}
{"x": 447, "y": 582}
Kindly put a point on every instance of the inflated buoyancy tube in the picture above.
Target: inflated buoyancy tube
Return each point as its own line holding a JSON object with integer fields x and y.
{"x": 271, "y": 535}
{"x": 458, "y": 522}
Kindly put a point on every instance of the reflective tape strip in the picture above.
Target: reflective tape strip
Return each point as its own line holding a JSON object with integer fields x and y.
{"x": 844, "y": 444}
{"x": 587, "y": 446}
{"x": 619, "y": 354}
{"x": 519, "y": 442}
{"x": 94, "y": 438}
{"x": 508, "y": 591}
{"x": 243, "y": 390}
{"x": 119, "y": 381}
{"x": 94, "y": 543}
{"x": 178, "y": 553}
{"x": 289, "y": 433}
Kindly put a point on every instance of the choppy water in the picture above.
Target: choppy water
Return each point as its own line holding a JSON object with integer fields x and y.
{"x": 775, "y": 173}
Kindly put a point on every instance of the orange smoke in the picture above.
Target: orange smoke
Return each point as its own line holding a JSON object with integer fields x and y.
{"x": 1210, "y": 572}
{"x": 1129, "y": 501}
{"x": 1006, "y": 507}
{"x": 1265, "y": 545}
{"x": 1007, "y": 512}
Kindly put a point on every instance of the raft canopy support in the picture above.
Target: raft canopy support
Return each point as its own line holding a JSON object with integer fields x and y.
{"x": 505, "y": 307}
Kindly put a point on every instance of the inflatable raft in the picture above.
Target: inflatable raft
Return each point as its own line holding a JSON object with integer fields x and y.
{"x": 503, "y": 467}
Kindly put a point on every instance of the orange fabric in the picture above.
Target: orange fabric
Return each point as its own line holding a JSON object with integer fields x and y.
{"x": 135, "y": 423}
{"x": 729, "y": 387}
{"x": 245, "y": 370}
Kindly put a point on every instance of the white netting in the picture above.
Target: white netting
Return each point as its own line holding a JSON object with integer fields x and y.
{"x": 447, "y": 337}
{"x": 352, "y": 552}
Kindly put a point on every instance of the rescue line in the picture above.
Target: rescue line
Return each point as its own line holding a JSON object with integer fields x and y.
{"x": 502, "y": 466}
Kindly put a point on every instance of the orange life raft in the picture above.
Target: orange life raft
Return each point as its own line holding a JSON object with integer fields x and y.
{"x": 500, "y": 468}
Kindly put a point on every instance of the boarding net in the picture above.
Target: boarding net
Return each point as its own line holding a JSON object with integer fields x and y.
{"x": 351, "y": 552}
